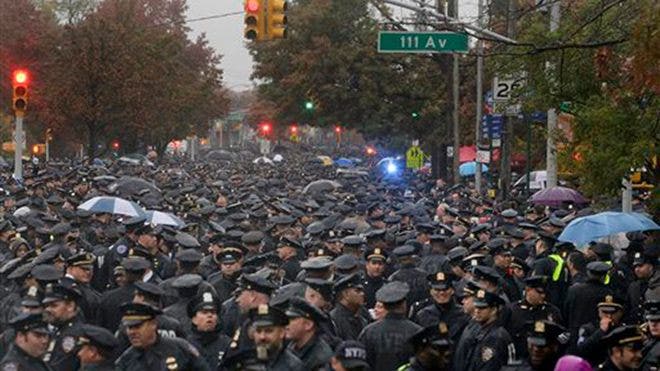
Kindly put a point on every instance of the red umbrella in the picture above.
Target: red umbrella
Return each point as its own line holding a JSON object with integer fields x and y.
{"x": 557, "y": 196}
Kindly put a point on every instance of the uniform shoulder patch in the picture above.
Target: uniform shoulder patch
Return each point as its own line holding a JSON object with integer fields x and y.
{"x": 11, "y": 366}
{"x": 121, "y": 249}
{"x": 486, "y": 354}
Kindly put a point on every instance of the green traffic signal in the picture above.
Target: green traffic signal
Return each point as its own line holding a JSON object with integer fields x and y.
{"x": 309, "y": 105}
{"x": 415, "y": 115}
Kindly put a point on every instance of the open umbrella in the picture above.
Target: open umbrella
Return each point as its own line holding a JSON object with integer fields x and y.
{"x": 344, "y": 162}
{"x": 130, "y": 185}
{"x": 469, "y": 168}
{"x": 220, "y": 154}
{"x": 556, "y": 196}
{"x": 262, "y": 160}
{"x": 592, "y": 227}
{"x": 112, "y": 205}
{"x": 325, "y": 160}
{"x": 161, "y": 218}
{"x": 322, "y": 185}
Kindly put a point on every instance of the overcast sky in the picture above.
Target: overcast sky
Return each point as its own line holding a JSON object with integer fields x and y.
{"x": 226, "y": 35}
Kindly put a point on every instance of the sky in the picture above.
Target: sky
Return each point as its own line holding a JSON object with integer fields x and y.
{"x": 225, "y": 35}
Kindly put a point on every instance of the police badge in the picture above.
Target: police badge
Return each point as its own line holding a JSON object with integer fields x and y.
{"x": 486, "y": 354}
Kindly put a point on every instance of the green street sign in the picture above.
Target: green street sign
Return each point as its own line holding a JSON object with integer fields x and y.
{"x": 422, "y": 42}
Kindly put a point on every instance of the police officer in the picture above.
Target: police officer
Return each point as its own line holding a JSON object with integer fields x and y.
{"x": 255, "y": 290}
{"x": 651, "y": 351}
{"x": 206, "y": 335}
{"x": 590, "y": 335}
{"x": 582, "y": 298}
{"x": 533, "y": 307}
{"x": 408, "y": 272}
{"x": 62, "y": 312}
{"x": 109, "y": 314}
{"x": 303, "y": 333}
{"x": 549, "y": 263}
{"x": 187, "y": 286}
{"x": 148, "y": 350}
{"x": 644, "y": 265}
{"x": 624, "y": 347}
{"x": 187, "y": 262}
{"x": 432, "y": 349}
{"x": 545, "y": 345}
{"x": 385, "y": 340}
{"x": 116, "y": 252}
{"x": 443, "y": 307}
{"x": 485, "y": 345}
{"x": 269, "y": 330}
{"x": 348, "y": 315}
{"x": 374, "y": 270}
{"x": 29, "y": 345}
{"x": 80, "y": 267}
{"x": 230, "y": 260}
{"x": 96, "y": 349}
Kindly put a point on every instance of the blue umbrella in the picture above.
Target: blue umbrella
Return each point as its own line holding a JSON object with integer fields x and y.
{"x": 592, "y": 227}
{"x": 112, "y": 205}
{"x": 344, "y": 162}
{"x": 469, "y": 168}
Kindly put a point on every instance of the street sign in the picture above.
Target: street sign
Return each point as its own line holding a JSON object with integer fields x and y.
{"x": 503, "y": 88}
{"x": 483, "y": 156}
{"x": 491, "y": 127}
{"x": 450, "y": 151}
{"x": 422, "y": 42}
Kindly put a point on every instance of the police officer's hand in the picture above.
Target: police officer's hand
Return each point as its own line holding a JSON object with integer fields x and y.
{"x": 605, "y": 323}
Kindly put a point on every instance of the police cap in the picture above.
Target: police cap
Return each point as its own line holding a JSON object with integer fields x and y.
{"x": 299, "y": 307}
{"x": 24, "y": 322}
{"x": 97, "y": 336}
{"x": 436, "y": 336}
{"x": 352, "y": 354}
{"x": 133, "y": 314}
{"x": 485, "y": 299}
{"x": 265, "y": 315}
{"x": 543, "y": 333}
{"x": 392, "y": 292}
{"x": 624, "y": 336}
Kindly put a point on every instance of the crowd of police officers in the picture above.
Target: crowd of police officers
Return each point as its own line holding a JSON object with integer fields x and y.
{"x": 405, "y": 274}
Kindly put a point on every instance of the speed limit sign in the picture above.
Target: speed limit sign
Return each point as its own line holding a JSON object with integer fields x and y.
{"x": 502, "y": 88}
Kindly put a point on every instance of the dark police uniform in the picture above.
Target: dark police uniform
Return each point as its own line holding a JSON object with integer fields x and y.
{"x": 410, "y": 274}
{"x": 484, "y": 347}
{"x": 102, "y": 339}
{"x": 164, "y": 354}
{"x": 60, "y": 354}
{"x": 16, "y": 359}
{"x": 348, "y": 325}
{"x": 386, "y": 341}
{"x": 315, "y": 352}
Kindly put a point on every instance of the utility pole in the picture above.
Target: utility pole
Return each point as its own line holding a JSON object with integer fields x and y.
{"x": 480, "y": 93}
{"x": 507, "y": 142}
{"x": 455, "y": 116}
{"x": 551, "y": 149}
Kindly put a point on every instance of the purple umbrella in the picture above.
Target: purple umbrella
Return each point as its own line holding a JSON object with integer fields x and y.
{"x": 556, "y": 196}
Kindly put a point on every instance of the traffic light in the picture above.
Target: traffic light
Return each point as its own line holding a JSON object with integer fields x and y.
{"x": 255, "y": 22}
{"x": 19, "y": 84}
{"x": 415, "y": 115}
{"x": 294, "y": 129}
{"x": 276, "y": 19}
{"x": 115, "y": 145}
{"x": 338, "y": 130}
{"x": 309, "y": 105}
{"x": 265, "y": 128}
{"x": 371, "y": 151}
{"x": 49, "y": 134}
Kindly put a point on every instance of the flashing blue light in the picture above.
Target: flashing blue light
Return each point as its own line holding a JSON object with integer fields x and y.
{"x": 391, "y": 168}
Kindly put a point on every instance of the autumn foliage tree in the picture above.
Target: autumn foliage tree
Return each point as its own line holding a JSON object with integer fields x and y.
{"x": 126, "y": 70}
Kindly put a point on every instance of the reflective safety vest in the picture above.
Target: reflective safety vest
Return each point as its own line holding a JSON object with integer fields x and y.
{"x": 559, "y": 266}
{"x": 404, "y": 367}
{"x": 607, "y": 276}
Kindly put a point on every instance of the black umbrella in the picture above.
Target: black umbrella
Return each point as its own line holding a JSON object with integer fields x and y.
{"x": 129, "y": 186}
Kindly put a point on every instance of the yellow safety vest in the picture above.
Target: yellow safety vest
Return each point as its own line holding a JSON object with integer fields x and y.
{"x": 607, "y": 276}
{"x": 558, "y": 267}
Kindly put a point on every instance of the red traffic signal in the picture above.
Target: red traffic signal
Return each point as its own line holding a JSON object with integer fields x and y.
{"x": 294, "y": 129}
{"x": 19, "y": 82}
{"x": 338, "y": 129}
{"x": 115, "y": 145}
{"x": 252, "y": 5}
{"x": 20, "y": 77}
{"x": 265, "y": 128}
{"x": 371, "y": 151}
